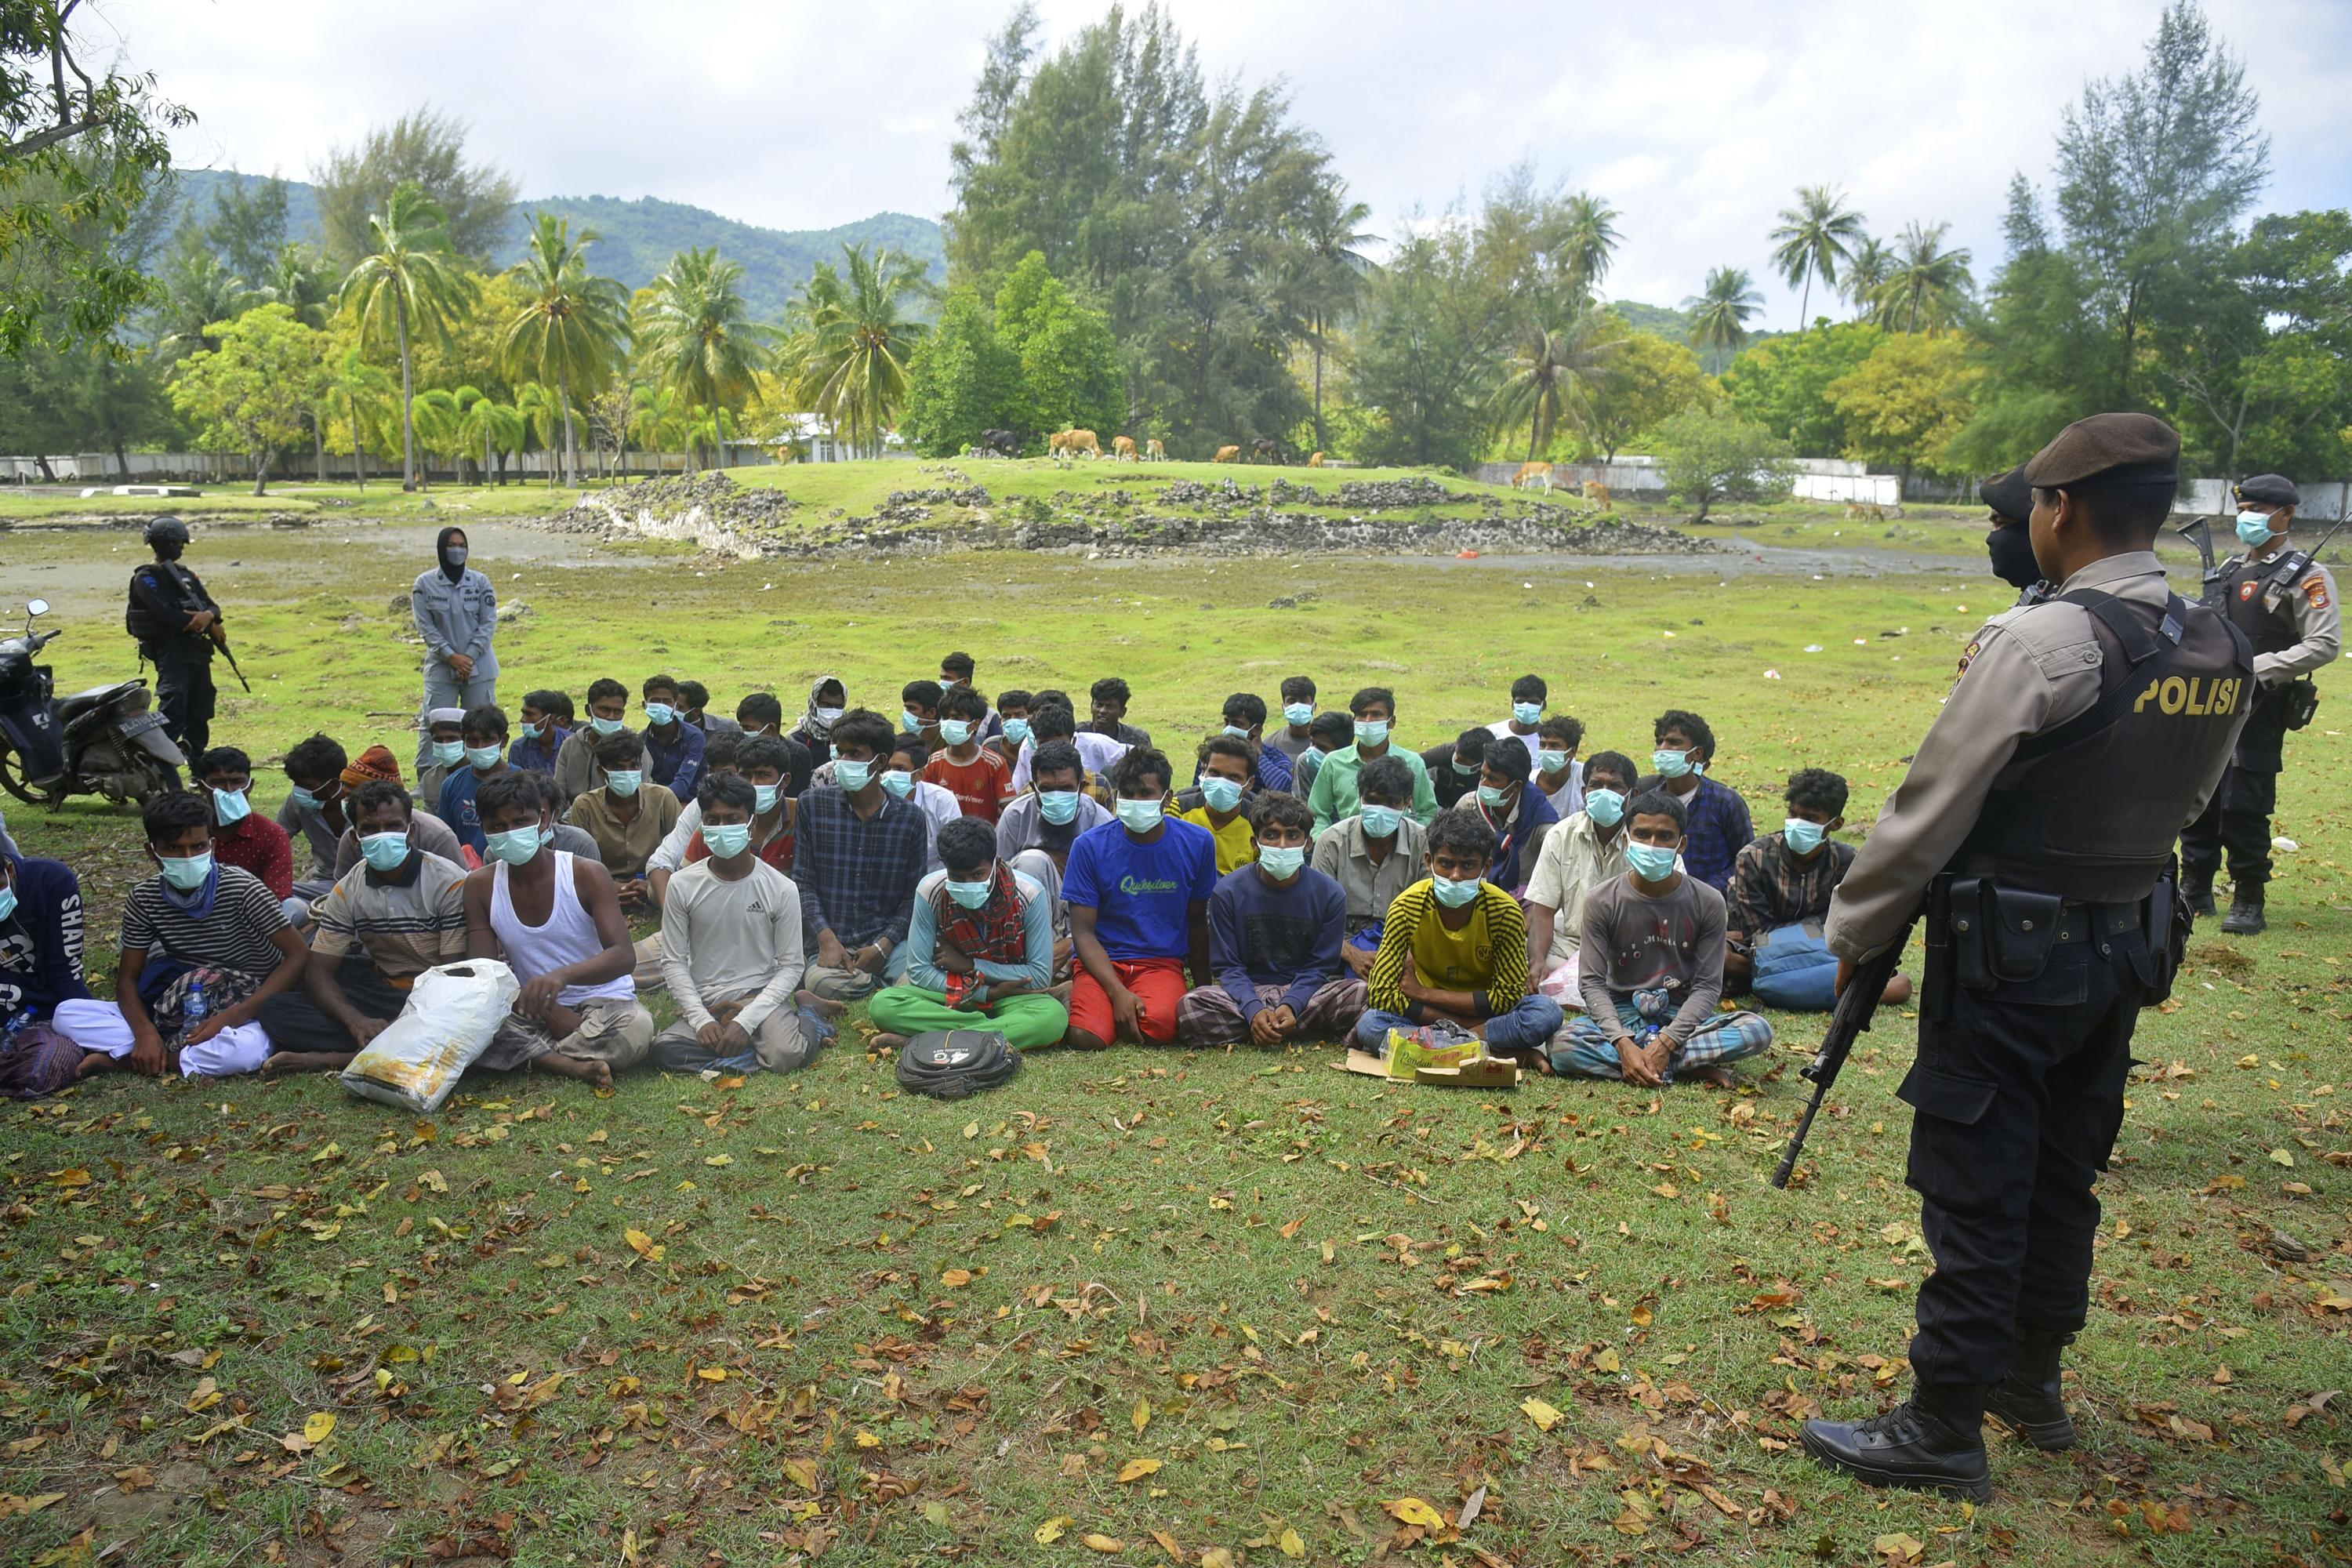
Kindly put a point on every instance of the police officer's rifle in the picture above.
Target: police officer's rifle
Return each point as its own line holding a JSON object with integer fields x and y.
{"x": 221, "y": 641}
{"x": 2199, "y": 531}
{"x": 1856, "y": 1006}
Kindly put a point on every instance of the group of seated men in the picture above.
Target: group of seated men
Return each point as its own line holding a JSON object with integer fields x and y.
{"x": 1002, "y": 866}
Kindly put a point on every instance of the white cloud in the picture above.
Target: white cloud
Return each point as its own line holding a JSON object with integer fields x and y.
{"x": 1697, "y": 120}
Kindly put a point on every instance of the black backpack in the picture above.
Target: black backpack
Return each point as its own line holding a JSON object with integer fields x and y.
{"x": 949, "y": 1064}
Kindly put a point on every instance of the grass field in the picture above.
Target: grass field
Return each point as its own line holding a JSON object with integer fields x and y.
{"x": 1135, "y": 1307}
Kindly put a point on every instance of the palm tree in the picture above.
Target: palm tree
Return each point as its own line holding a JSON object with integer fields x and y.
{"x": 1720, "y": 315}
{"x": 496, "y": 426}
{"x": 1815, "y": 236}
{"x": 1865, "y": 274}
{"x": 1549, "y": 378}
{"x": 572, "y": 329}
{"x": 695, "y": 333}
{"x": 437, "y": 413}
{"x": 658, "y": 419}
{"x": 299, "y": 280}
{"x": 540, "y": 412}
{"x": 409, "y": 280}
{"x": 356, "y": 382}
{"x": 1589, "y": 241}
{"x": 848, "y": 361}
{"x": 1332, "y": 242}
{"x": 198, "y": 291}
{"x": 1927, "y": 285}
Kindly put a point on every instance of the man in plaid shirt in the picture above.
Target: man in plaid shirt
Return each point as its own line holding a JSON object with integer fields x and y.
{"x": 1719, "y": 828}
{"x": 1779, "y": 896}
{"x": 860, "y": 852}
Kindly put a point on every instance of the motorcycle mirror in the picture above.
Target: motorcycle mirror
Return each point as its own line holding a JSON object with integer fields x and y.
{"x": 36, "y": 606}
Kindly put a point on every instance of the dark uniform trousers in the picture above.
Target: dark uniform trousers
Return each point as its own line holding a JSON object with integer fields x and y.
{"x": 183, "y": 689}
{"x": 2018, "y": 1096}
{"x": 2237, "y": 820}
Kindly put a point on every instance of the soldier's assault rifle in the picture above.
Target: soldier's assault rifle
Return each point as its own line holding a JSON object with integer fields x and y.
{"x": 2199, "y": 531}
{"x": 1856, "y": 1006}
{"x": 220, "y": 640}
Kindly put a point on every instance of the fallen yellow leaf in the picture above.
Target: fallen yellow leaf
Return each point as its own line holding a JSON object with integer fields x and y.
{"x": 1142, "y": 1417}
{"x": 719, "y": 1160}
{"x": 1136, "y": 1469}
{"x": 956, "y": 1276}
{"x": 1413, "y": 1510}
{"x": 1292, "y": 1546}
{"x": 1103, "y": 1543}
{"x": 1051, "y": 1531}
{"x": 317, "y": 1426}
{"x": 1544, "y": 1416}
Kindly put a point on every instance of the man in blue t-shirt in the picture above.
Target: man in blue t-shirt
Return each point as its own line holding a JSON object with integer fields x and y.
{"x": 40, "y": 938}
{"x": 1137, "y": 890}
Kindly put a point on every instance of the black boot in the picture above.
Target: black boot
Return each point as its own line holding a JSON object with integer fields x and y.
{"x": 2029, "y": 1400}
{"x": 2197, "y": 892}
{"x": 1933, "y": 1441}
{"x": 2245, "y": 916}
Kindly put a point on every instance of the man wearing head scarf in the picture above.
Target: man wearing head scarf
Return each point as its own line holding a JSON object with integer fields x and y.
{"x": 456, "y": 612}
{"x": 827, "y": 701}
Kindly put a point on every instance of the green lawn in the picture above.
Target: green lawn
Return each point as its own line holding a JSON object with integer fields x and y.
{"x": 879, "y": 1328}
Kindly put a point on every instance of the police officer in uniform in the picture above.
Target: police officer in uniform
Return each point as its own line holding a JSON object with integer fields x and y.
{"x": 177, "y": 625}
{"x": 2286, "y": 604}
{"x": 2008, "y": 542}
{"x": 2038, "y": 820}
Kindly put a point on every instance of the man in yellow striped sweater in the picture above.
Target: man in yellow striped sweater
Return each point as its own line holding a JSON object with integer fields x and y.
{"x": 1454, "y": 948}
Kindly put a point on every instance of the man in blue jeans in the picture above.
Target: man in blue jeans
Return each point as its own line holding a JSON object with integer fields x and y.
{"x": 1778, "y": 897}
{"x": 1453, "y": 949}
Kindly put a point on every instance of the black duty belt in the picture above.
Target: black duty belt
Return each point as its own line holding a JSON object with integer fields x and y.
{"x": 2089, "y": 923}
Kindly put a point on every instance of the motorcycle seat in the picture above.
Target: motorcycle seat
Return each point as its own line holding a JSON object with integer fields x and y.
{"x": 80, "y": 702}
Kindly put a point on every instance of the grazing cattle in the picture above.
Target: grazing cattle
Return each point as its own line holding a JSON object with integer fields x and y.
{"x": 1266, "y": 448}
{"x": 1530, "y": 475}
{"x": 1315, "y": 461}
{"x": 1874, "y": 513}
{"x": 998, "y": 443}
{"x": 1227, "y": 455}
{"x": 1154, "y": 452}
{"x": 1123, "y": 447}
{"x": 1598, "y": 494}
{"x": 1075, "y": 442}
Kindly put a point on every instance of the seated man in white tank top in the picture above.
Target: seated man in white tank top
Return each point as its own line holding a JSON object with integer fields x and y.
{"x": 556, "y": 920}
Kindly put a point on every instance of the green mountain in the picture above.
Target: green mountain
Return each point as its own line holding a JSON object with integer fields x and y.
{"x": 640, "y": 237}
{"x": 1672, "y": 324}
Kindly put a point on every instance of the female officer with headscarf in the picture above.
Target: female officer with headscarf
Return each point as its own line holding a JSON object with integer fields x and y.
{"x": 457, "y": 613}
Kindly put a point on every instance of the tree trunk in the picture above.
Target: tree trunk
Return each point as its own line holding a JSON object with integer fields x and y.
{"x": 319, "y": 438}
{"x": 121, "y": 458}
{"x": 261, "y": 469}
{"x": 1805, "y": 299}
{"x": 571, "y": 442}
{"x": 407, "y": 400}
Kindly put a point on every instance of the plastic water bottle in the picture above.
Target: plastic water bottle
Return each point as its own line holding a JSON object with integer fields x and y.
{"x": 195, "y": 1009}
{"x": 17, "y": 1024}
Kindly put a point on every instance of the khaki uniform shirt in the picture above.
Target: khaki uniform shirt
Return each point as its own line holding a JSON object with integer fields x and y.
{"x": 2318, "y": 621}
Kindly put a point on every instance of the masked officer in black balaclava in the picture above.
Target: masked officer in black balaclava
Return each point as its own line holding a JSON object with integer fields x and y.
{"x": 177, "y": 625}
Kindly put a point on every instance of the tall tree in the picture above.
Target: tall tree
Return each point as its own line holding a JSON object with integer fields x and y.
{"x": 1435, "y": 321}
{"x": 1646, "y": 382}
{"x": 572, "y": 329}
{"x": 1866, "y": 271}
{"x": 424, "y": 148}
{"x": 696, "y": 334}
{"x": 197, "y": 292}
{"x": 1331, "y": 264}
{"x": 1068, "y": 363}
{"x": 247, "y": 225}
{"x": 847, "y": 360}
{"x": 1589, "y": 240}
{"x": 1817, "y": 236}
{"x": 1719, "y": 314}
{"x": 962, "y": 381}
{"x": 298, "y": 278}
{"x": 1551, "y": 376}
{"x": 1928, "y": 287}
{"x": 256, "y": 391}
{"x": 407, "y": 282}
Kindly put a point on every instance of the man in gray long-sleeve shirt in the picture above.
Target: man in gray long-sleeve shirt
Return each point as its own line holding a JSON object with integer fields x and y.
{"x": 457, "y": 613}
{"x": 1651, "y": 972}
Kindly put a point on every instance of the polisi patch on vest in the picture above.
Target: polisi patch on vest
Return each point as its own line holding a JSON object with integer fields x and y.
{"x": 2192, "y": 697}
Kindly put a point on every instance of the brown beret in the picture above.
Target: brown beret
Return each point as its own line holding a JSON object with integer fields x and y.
{"x": 2009, "y": 495}
{"x": 2124, "y": 447}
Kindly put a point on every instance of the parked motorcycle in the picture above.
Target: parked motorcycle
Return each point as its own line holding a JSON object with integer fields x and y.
{"x": 106, "y": 741}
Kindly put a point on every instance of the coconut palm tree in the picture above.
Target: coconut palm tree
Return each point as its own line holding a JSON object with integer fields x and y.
{"x": 658, "y": 419}
{"x": 438, "y": 413}
{"x": 362, "y": 389}
{"x": 1332, "y": 241}
{"x": 299, "y": 280}
{"x": 198, "y": 291}
{"x": 495, "y": 427}
{"x": 570, "y": 332}
{"x": 1928, "y": 286}
{"x": 848, "y": 361}
{"x": 1549, "y": 377}
{"x": 1815, "y": 238}
{"x": 410, "y": 281}
{"x": 1865, "y": 275}
{"x": 695, "y": 332}
{"x": 1720, "y": 315}
{"x": 1589, "y": 241}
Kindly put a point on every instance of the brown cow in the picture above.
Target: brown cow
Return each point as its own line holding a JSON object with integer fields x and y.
{"x": 1123, "y": 447}
{"x": 1598, "y": 493}
{"x": 1530, "y": 475}
{"x": 1227, "y": 455}
{"x": 1154, "y": 452}
{"x": 1315, "y": 461}
{"x": 1075, "y": 442}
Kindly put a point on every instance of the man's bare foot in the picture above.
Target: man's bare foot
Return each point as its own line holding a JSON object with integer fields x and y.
{"x": 823, "y": 1006}
{"x": 1716, "y": 1076}
{"x": 1897, "y": 992}
{"x": 891, "y": 1042}
{"x": 304, "y": 1061}
{"x": 592, "y": 1071}
{"x": 93, "y": 1062}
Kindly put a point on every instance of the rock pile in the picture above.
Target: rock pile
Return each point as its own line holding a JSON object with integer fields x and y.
{"x": 1396, "y": 495}
{"x": 975, "y": 496}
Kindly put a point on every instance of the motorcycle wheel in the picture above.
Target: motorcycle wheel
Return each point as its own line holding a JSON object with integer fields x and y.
{"x": 155, "y": 779}
{"x": 13, "y": 779}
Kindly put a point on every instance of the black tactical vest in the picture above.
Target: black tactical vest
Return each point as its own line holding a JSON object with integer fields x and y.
{"x": 2243, "y": 588}
{"x": 2090, "y": 810}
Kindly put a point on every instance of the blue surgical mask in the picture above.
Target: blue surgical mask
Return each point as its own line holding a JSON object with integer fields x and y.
{"x": 531, "y": 731}
{"x": 2253, "y": 529}
{"x": 1299, "y": 713}
{"x": 1670, "y": 764}
{"x": 1467, "y": 770}
{"x": 1605, "y": 807}
{"x": 971, "y": 895}
{"x": 1139, "y": 815}
{"x": 1551, "y": 761}
{"x": 725, "y": 840}
{"x": 1371, "y": 731}
{"x": 955, "y": 731}
{"x": 1222, "y": 793}
{"x": 1057, "y": 805}
{"x": 303, "y": 799}
{"x": 1526, "y": 713}
{"x": 626, "y": 782}
{"x": 605, "y": 726}
{"x": 7, "y": 901}
{"x": 385, "y": 852}
{"x": 1803, "y": 837}
{"x": 189, "y": 873}
{"x": 1380, "y": 821}
{"x": 1235, "y": 730}
{"x": 1283, "y": 862}
{"x": 1453, "y": 894}
{"x": 660, "y": 715}
{"x": 830, "y": 715}
{"x": 516, "y": 847}
{"x": 1493, "y": 799}
{"x": 851, "y": 775}
{"x": 1016, "y": 731}
{"x": 899, "y": 781}
{"x": 910, "y": 721}
{"x": 230, "y": 805}
{"x": 764, "y": 797}
{"x": 1651, "y": 862}
{"x": 448, "y": 753}
{"x": 483, "y": 757}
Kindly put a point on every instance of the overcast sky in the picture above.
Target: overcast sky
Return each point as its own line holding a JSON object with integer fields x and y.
{"x": 1695, "y": 119}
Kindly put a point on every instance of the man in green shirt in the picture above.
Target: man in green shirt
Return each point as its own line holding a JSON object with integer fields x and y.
{"x": 1333, "y": 796}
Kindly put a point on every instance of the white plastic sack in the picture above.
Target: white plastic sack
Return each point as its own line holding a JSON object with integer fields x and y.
{"x": 451, "y": 1015}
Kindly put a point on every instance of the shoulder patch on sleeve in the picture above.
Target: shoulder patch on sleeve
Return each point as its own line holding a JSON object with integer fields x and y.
{"x": 2315, "y": 588}
{"x": 1974, "y": 648}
